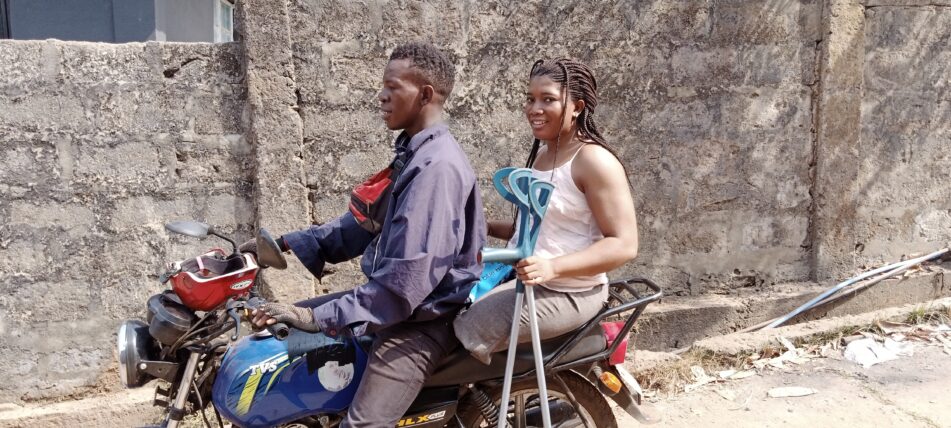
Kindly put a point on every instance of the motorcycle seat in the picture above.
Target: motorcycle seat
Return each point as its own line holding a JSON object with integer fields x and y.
{"x": 460, "y": 367}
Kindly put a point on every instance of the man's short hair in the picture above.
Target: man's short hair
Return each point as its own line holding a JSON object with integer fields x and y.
{"x": 434, "y": 66}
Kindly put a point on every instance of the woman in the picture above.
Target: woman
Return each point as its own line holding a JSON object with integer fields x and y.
{"x": 590, "y": 226}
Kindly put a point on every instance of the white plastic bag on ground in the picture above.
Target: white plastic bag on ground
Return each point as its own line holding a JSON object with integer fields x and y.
{"x": 904, "y": 349}
{"x": 868, "y": 352}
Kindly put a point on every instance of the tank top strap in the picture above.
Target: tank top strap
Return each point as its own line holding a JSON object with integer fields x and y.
{"x": 578, "y": 150}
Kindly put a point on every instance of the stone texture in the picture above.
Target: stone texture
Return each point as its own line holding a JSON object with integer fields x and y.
{"x": 883, "y": 160}
{"x": 747, "y": 343}
{"x": 102, "y": 144}
{"x": 702, "y": 99}
{"x": 280, "y": 195}
{"x": 677, "y": 322}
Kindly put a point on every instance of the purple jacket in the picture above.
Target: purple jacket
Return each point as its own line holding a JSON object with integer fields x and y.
{"x": 423, "y": 262}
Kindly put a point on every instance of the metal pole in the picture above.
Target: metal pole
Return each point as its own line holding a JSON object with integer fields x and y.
{"x": 539, "y": 362}
{"x": 848, "y": 282}
{"x": 510, "y": 357}
{"x": 850, "y": 292}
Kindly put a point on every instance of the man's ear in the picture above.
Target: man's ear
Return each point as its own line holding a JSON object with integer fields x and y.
{"x": 427, "y": 94}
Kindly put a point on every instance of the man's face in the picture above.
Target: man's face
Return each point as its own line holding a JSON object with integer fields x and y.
{"x": 400, "y": 98}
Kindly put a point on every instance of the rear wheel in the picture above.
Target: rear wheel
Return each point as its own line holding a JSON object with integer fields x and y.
{"x": 524, "y": 405}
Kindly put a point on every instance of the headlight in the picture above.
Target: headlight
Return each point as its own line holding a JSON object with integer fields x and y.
{"x": 133, "y": 344}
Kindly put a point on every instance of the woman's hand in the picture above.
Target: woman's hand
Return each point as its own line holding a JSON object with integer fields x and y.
{"x": 535, "y": 270}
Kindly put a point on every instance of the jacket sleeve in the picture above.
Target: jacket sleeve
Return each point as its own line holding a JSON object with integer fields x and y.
{"x": 416, "y": 252}
{"x": 339, "y": 240}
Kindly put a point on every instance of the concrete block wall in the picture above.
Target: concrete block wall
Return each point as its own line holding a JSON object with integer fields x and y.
{"x": 709, "y": 103}
{"x": 102, "y": 144}
{"x": 884, "y": 154}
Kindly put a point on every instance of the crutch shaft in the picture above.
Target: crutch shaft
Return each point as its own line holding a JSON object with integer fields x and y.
{"x": 510, "y": 357}
{"x": 539, "y": 358}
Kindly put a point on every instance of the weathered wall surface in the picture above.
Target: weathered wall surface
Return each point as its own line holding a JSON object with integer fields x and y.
{"x": 99, "y": 146}
{"x": 885, "y": 140}
{"x": 708, "y": 102}
{"x": 904, "y": 184}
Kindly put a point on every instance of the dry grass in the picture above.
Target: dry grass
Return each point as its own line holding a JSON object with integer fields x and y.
{"x": 929, "y": 315}
{"x": 672, "y": 376}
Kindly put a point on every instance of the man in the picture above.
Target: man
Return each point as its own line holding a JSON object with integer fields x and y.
{"x": 420, "y": 266}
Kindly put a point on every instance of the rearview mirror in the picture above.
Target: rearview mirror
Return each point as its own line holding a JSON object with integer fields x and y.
{"x": 189, "y": 228}
{"x": 269, "y": 255}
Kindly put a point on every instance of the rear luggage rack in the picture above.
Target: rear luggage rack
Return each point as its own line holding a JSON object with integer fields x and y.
{"x": 623, "y": 297}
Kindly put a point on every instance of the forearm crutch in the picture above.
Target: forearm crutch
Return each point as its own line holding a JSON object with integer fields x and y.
{"x": 531, "y": 197}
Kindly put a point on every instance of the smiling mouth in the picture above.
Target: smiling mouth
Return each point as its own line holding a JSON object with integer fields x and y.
{"x": 537, "y": 123}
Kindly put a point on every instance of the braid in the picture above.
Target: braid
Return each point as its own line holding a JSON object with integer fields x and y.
{"x": 533, "y": 154}
{"x": 564, "y": 111}
{"x": 536, "y": 144}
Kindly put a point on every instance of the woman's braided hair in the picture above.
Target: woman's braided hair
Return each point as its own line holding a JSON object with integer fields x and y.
{"x": 578, "y": 81}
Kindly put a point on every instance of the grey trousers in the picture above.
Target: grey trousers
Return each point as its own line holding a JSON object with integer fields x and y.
{"x": 402, "y": 358}
{"x": 484, "y": 328}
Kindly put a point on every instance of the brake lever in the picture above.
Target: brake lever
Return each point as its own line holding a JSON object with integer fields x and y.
{"x": 235, "y": 310}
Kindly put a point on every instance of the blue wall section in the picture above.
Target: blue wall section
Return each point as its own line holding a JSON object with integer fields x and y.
{"x": 133, "y": 20}
{"x": 113, "y": 21}
{"x": 86, "y": 20}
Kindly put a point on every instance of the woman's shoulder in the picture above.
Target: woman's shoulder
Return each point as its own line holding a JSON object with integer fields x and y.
{"x": 593, "y": 156}
{"x": 594, "y": 152}
{"x": 595, "y": 164}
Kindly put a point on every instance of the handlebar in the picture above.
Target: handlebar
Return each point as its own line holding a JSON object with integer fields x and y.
{"x": 279, "y": 330}
{"x": 238, "y": 308}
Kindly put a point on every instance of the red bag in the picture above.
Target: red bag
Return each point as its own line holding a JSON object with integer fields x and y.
{"x": 369, "y": 200}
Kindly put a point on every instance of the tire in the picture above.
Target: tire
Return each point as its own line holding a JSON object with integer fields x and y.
{"x": 594, "y": 406}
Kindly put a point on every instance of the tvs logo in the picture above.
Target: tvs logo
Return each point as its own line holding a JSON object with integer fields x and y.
{"x": 241, "y": 285}
{"x": 265, "y": 367}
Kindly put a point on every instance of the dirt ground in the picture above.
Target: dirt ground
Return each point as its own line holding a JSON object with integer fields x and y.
{"x": 913, "y": 391}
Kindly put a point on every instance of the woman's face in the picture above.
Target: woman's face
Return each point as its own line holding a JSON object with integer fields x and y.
{"x": 544, "y": 103}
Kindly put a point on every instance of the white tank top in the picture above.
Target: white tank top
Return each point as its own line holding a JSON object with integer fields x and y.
{"x": 568, "y": 227}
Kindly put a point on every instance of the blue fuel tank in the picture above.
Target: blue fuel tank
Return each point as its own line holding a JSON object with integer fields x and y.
{"x": 265, "y": 382}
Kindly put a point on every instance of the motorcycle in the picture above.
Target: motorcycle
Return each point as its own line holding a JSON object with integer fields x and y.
{"x": 191, "y": 341}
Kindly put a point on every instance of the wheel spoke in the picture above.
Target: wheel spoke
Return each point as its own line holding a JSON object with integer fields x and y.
{"x": 528, "y": 399}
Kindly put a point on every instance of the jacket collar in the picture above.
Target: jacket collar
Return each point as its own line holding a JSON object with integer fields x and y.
{"x": 421, "y": 137}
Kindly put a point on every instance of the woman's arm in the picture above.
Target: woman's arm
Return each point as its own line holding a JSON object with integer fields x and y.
{"x": 502, "y": 229}
{"x": 601, "y": 178}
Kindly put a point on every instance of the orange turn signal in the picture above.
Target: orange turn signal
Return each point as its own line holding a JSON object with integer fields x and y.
{"x": 610, "y": 381}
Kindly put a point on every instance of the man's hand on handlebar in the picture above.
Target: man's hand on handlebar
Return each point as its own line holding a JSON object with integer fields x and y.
{"x": 272, "y": 313}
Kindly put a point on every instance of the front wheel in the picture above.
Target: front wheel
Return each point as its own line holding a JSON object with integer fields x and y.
{"x": 523, "y": 404}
